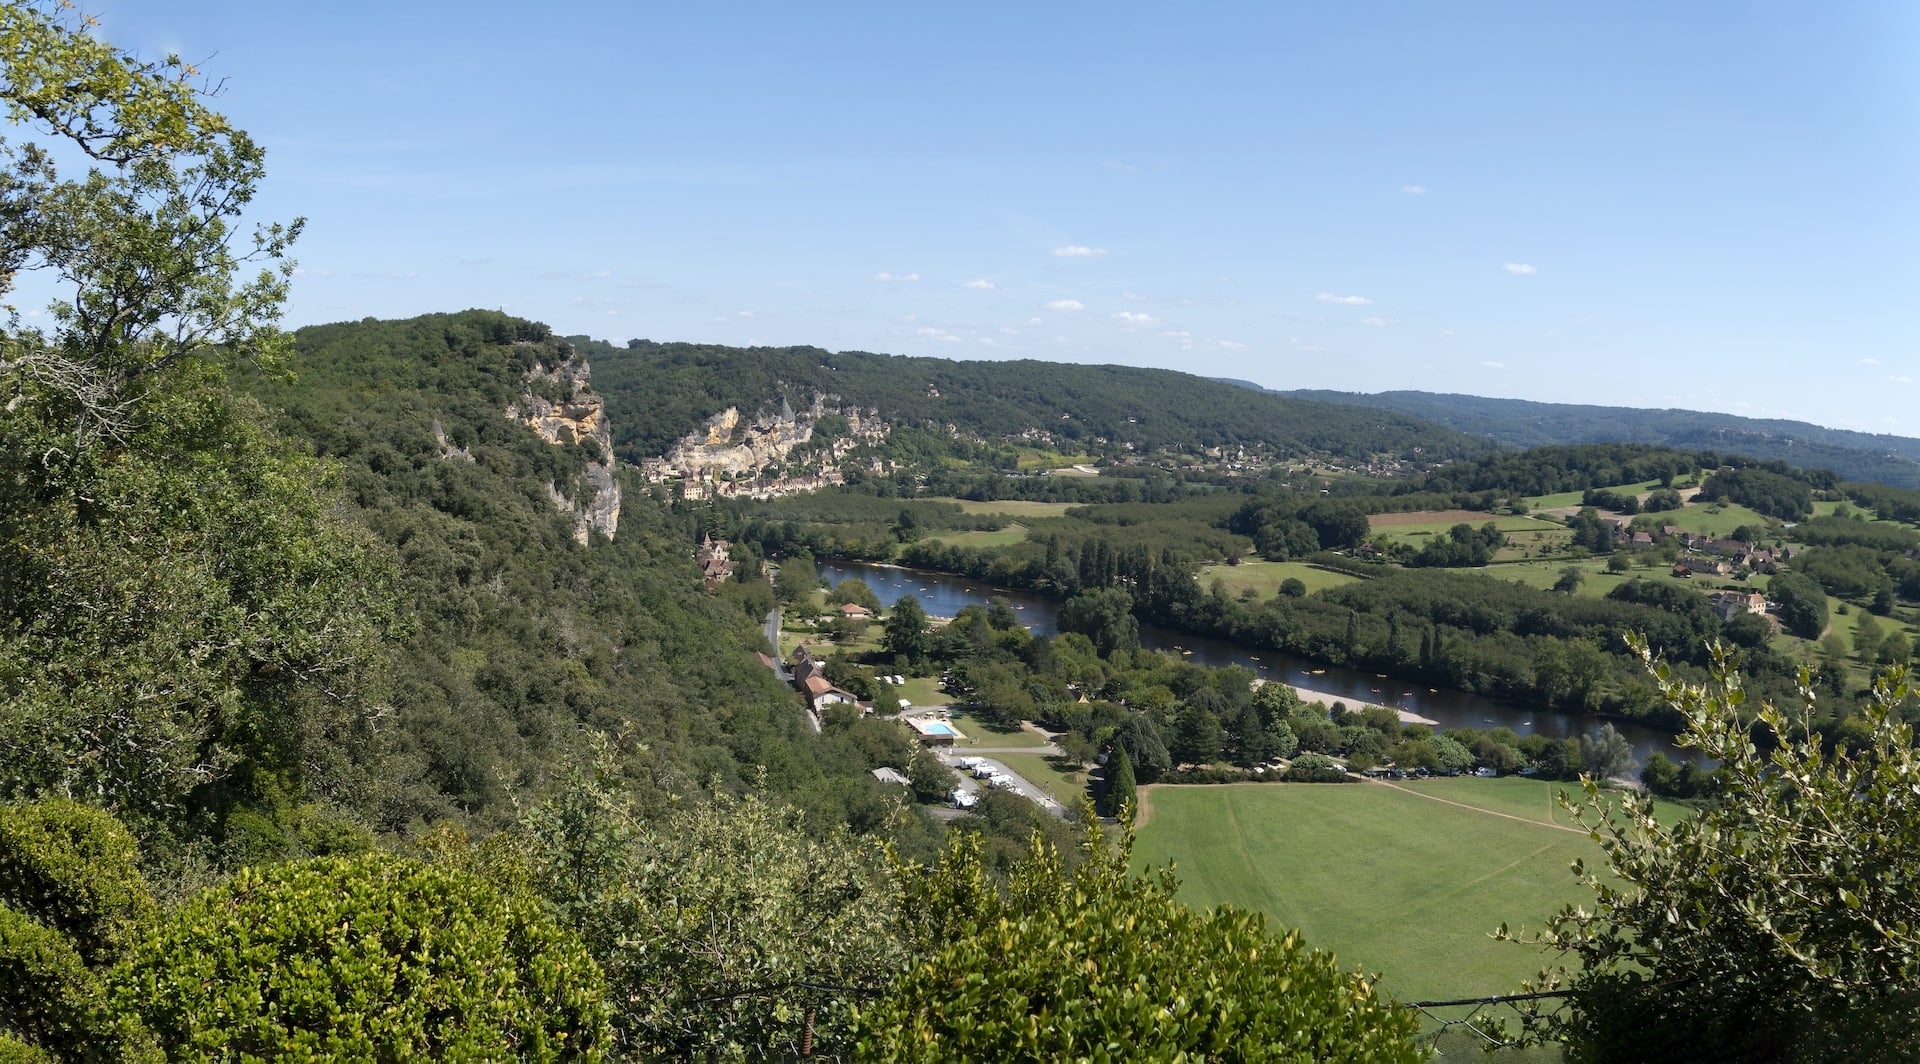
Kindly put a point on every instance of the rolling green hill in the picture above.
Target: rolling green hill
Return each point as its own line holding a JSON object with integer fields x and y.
{"x": 658, "y": 392}
{"x": 1520, "y": 423}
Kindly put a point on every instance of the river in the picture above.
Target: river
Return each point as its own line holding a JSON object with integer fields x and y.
{"x": 945, "y": 596}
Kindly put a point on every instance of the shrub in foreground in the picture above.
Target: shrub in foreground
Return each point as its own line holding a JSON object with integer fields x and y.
{"x": 1097, "y": 964}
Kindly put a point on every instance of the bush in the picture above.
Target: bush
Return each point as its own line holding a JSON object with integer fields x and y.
{"x": 1098, "y": 964}
{"x": 1315, "y": 768}
{"x": 52, "y": 1006}
{"x": 73, "y": 868}
{"x": 364, "y": 958}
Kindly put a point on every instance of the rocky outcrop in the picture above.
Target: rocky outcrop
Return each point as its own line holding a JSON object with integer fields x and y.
{"x": 732, "y": 454}
{"x": 560, "y": 405}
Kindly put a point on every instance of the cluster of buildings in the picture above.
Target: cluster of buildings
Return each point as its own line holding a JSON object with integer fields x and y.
{"x": 733, "y": 456}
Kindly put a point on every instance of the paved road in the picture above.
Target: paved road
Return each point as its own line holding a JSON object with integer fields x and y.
{"x": 780, "y": 667}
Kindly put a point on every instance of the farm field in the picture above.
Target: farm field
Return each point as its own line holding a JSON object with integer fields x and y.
{"x": 1264, "y": 578}
{"x": 1386, "y": 879}
{"x": 1013, "y": 533}
{"x": 1011, "y": 507}
{"x": 1416, "y": 527}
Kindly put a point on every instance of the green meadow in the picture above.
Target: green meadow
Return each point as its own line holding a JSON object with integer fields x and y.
{"x": 1406, "y": 883}
{"x": 1264, "y": 578}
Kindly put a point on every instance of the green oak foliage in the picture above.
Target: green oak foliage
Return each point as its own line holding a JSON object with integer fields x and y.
{"x": 181, "y": 611}
{"x": 369, "y": 958}
{"x": 1097, "y": 964}
{"x": 727, "y": 930}
{"x": 1779, "y": 923}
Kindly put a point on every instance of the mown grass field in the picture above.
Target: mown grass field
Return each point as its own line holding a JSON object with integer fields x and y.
{"x": 1005, "y": 537}
{"x": 1264, "y": 578}
{"x": 1011, "y": 507}
{"x": 1045, "y": 771}
{"x": 1399, "y": 884}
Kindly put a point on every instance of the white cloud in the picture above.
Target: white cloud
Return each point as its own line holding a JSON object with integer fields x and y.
{"x": 982, "y": 284}
{"x": 1446, "y": 332}
{"x": 1134, "y": 321}
{"x": 1518, "y": 267}
{"x": 596, "y": 275}
{"x": 1178, "y": 334}
{"x": 986, "y": 340}
{"x": 1066, "y": 306}
{"x": 1869, "y": 361}
{"x": 1414, "y": 190}
{"x": 1350, "y": 301}
{"x": 1232, "y": 345}
{"x": 745, "y": 313}
{"x": 941, "y": 335}
{"x": 1490, "y": 364}
{"x": 1899, "y": 378}
{"x": 1033, "y": 321}
{"x": 1132, "y": 297}
{"x": 896, "y": 276}
{"x": 1078, "y": 251}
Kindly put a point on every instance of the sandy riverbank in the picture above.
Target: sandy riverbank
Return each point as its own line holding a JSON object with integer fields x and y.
{"x": 1326, "y": 698}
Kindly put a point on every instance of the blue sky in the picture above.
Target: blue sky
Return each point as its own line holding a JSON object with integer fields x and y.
{"x": 1714, "y": 206}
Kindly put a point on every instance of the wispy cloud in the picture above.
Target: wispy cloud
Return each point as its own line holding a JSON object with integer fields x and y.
{"x": 596, "y": 275}
{"x": 1135, "y": 321}
{"x": 1066, "y": 306}
{"x": 986, "y": 341}
{"x": 1377, "y": 322}
{"x": 1900, "y": 378}
{"x": 1078, "y": 251}
{"x": 883, "y": 276}
{"x": 1490, "y": 364}
{"x": 1414, "y": 190}
{"x": 941, "y": 335}
{"x": 1869, "y": 361}
{"x": 1350, "y": 301}
{"x": 1231, "y": 345}
{"x": 982, "y": 284}
{"x": 1519, "y": 267}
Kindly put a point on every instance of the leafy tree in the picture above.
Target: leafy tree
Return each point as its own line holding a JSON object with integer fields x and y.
{"x": 1120, "y": 783}
{"x": 1197, "y": 736}
{"x": 1104, "y": 616}
{"x": 908, "y": 634}
{"x": 179, "y": 603}
{"x": 1570, "y": 580}
{"x": 1293, "y": 587}
{"x": 364, "y": 958}
{"x": 1802, "y": 603}
{"x": 796, "y": 581}
{"x": 1607, "y": 753}
{"x": 854, "y": 590}
{"x": 1776, "y": 924}
{"x": 1097, "y": 963}
{"x": 720, "y": 928}
{"x": 1144, "y": 748}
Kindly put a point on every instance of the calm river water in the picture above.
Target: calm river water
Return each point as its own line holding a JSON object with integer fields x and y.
{"x": 944, "y": 596}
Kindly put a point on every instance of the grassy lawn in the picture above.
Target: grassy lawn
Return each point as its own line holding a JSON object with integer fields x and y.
{"x": 1012, "y": 507}
{"x": 1545, "y": 572}
{"x": 1050, "y": 773}
{"x": 1387, "y": 880}
{"x": 1264, "y": 578}
{"x": 987, "y": 735}
{"x": 1529, "y": 531}
{"x": 1005, "y": 537}
{"x": 1714, "y": 520}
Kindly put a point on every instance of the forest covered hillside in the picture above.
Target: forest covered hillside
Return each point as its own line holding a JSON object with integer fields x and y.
{"x": 1522, "y": 423}
{"x": 658, "y": 392}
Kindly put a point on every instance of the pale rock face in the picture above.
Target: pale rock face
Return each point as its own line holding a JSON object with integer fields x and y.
{"x": 580, "y": 416}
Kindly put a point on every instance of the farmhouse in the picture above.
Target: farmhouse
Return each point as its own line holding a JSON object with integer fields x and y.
{"x": 1731, "y": 604}
{"x": 853, "y": 611}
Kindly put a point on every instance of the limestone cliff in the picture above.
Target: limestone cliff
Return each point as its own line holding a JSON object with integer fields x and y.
{"x": 733, "y": 454}
{"x": 560, "y": 405}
